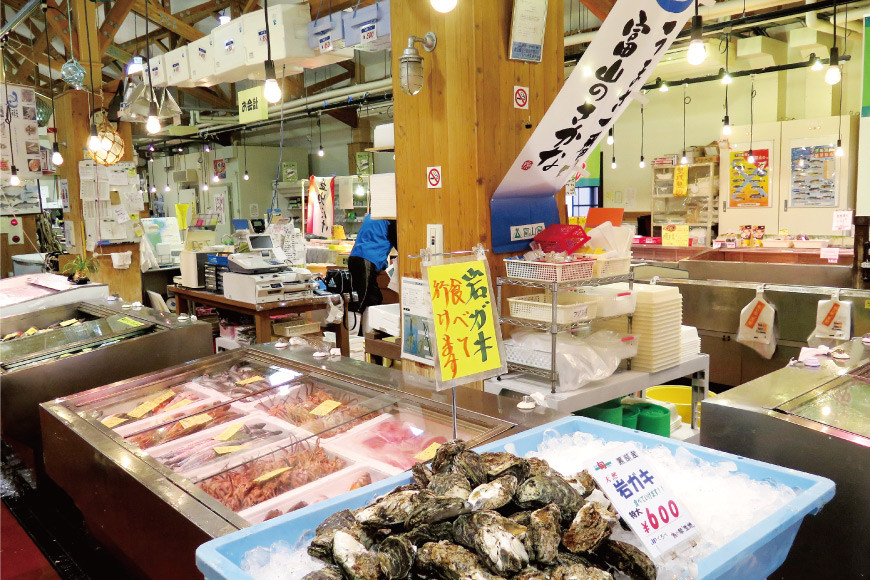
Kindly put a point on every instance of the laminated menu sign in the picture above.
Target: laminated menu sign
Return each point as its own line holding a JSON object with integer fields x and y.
{"x": 675, "y": 235}
{"x": 417, "y": 322}
{"x": 749, "y": 183}
{"x": 813, "y": 176}
{"x": 468, "y": 340}
{"x": 19, "y": 133}
{"x": 640, "y": 496}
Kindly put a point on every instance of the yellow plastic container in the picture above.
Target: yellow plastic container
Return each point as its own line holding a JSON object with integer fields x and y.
{"x": 679, "y": 395}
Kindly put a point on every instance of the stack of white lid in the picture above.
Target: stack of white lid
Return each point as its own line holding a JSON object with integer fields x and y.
{"x": 657, "y": 321}
{"x": 690, "y": 342}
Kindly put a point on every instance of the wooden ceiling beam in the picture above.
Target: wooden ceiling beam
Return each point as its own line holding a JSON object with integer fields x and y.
{"x": 167, "y": 21}
{"x": 199, "y": 12}
{"x": 332, "y": 8}
{"x": 114, "y": 19}
{"x": 347, "y": 116}
{"x": 58, "y": 22}
{"x": 599, "y": 8}
{"x": 138, "y": 42}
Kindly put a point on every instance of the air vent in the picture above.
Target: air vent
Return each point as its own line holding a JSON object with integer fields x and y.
{"x": 185, "y": 176}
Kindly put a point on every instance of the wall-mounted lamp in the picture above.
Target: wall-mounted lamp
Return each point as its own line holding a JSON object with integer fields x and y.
{"x": 411, "y": 63}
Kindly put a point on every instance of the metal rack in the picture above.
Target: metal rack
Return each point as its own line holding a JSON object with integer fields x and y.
{"x": 553, "y": 327}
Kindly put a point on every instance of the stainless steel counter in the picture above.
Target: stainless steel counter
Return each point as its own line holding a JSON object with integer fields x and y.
{"x": 154, "y": 518}
{"x": 67, "y": 367}
{"x": 762, "y": 419}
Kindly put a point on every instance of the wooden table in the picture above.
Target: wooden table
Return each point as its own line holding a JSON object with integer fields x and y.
{"x": 261, "y": 313}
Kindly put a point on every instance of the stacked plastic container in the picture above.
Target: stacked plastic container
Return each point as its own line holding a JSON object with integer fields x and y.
{"x": 690, "y": 342}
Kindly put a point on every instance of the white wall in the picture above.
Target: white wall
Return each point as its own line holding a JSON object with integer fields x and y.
{"x": 804, "y": 95}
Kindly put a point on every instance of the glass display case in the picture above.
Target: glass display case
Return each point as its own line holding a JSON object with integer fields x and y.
{"x": 260, "y": 438}
{"x": 66, "y": 349}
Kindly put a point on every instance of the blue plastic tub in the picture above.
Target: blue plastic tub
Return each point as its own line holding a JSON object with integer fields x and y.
{"x": 753, "y": 554}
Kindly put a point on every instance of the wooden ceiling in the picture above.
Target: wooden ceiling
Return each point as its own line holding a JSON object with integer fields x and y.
{"x": 599, "y": 8}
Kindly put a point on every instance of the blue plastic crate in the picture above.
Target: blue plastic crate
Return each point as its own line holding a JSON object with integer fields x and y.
{"x": 754, "y": 554}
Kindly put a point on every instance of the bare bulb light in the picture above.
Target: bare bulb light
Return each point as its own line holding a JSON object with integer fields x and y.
{"x": 839, "y": 150}
{"x": 726, "y": 126}
{"x": 166, "y": 188}
{"x": 642, "y": 163}
{"x": 207, "y": 148}
{"x": 833, "y": 75}
{"x": 205, "y": 186}
{"x": 610, "y": 137}
{"x": 664, "y": 88}
{"x": 271, "y": 90}
{"x": 224, "y": 18}
{"x": 152, "y": 125}
{"x": 684, "y": 160}
{"x": 246, "y": 177}
{"x": 321, "y": 152}
{"x": 153, "y": 189}
{"x": 93, "y": 140}
{"x": 697, "y": 49}
{"x": 750, "y": 158}
{"x": 443, "y": 6}
{"x": 817, "y": 65}
{"x": 14, "y": 180}
{"x": 215, "y": 178}
{"x": 726, "y": 78}
{"x": 56, "y": 157}
{"x": 613, "y": 164}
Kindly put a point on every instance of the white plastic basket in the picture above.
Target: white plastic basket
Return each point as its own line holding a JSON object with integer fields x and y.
{"x": 607, "y": 267}
{"x": 548, "y": 271}
{"x": 622, "y": 347}
{"x": 612, "y": 301}
{"x": 570, "y": 307}
{"x": 525, "y": 356}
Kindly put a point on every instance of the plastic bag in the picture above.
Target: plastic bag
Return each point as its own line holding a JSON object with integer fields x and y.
{"x": 757, "y": 328}
{"x": 576, "y": 362}
{"x": 833, "y": 322}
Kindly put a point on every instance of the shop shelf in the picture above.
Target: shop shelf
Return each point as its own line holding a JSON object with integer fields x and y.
{"x": 570, "y": 307}
{"x": 756, "y": 553}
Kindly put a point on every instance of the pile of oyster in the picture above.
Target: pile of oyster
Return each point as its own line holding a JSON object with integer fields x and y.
{"x": 480, "y": 517}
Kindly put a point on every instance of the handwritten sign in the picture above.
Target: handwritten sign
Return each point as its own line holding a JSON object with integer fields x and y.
{"x": 253, "y": 105}
{"x": 842, "y": 220}
{"x": 325, "y": 408}
{"x": 681, "y": 181}
{"x": 129, "y": 321}
{"x": 148, "y": 406}
{"x": 250, "y": 380}
{"x": 269, "y": 475}
{"x": 195, "y": 421}
{"x": 228, "y": 433}
{"x": 427, "y": 453}
{"x": 113, "y": 421}
{"x": 832, "y": 255}
{"x": 640, "y": 496}
{"x": 227, "y": 449}
{"x": 466, "y": 332}
{"x": 675, "y": 235}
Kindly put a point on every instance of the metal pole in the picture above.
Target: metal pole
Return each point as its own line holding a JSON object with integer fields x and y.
{"x": 554, "y": 293}
{"x": 455, "y": 431}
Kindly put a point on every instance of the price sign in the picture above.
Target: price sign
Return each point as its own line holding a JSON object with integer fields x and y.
{"x": 640, "y": 496}
{"x": 325, "y": 43}
{"x": 681, "y": 181}
{"x": 842, "y": 221}
{"x": 369, "y": 32}
{"x": 675, "y": 235}
{"x": 832, "y": 255}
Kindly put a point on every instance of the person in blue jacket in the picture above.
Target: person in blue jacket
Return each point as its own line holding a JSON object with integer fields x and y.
{"x": 368, "y": 258}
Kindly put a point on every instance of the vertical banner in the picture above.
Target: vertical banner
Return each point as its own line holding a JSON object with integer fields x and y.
{"x": 321, "y": 206}
{"x": 19, "y": 141}
{"x": 749, "y": 183}
{"x": 467, "y": 334}
{"x": 681, "y": 181}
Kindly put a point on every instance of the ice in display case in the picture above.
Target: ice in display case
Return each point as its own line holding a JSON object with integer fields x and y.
{"x": 815, "y": 420}
{"x": 243, "y": 436}
{"x": 62, "y": 350}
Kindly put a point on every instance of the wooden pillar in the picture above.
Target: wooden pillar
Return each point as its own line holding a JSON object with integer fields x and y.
{"x": 464, "y": 119}
{"x": 361, "y": 139}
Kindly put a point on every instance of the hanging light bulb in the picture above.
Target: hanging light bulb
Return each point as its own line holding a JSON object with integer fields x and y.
{"x": 613, "y": 163}
{"x": 215, "y": 178}
{"x": 153, "y": 189}
{"x": 642, "y": 163}
{"x": 14, "y": 180}
{"x": 166, "y": 188}
{"x": 105, "y": 143}
{"x": 817, "y": 65}
{"x": 205, "y": 186}
{"x": 246, "y": 177}
{"x": 697, "y": 49}
{"x": 664, "y": 87}
{"x": 56, "y": 157}
{"x": 271, "y": 90}
{"x": 443, "y": 6}
{"x": 181, "y": 149}
{"x": 151, "y": 159}
{"x": 726, "y": 125}
{"x": 839, "y": 150}
{"x": 136, "y": 65}
{"x": 151, "y": 148}
{"x": 321, "y": 152}
{"x": 610, "y": 136}
{"x": 152, "y": 125}
{"x": 725, "y": 77}
{"x": 224, "y": 18}
{"x": 684, "y": 160}
{"x": 207, "y": 148}
{"x": 833, "y": 75}
{"x": 750, "y": 158}
{"x": 93, "y": 140}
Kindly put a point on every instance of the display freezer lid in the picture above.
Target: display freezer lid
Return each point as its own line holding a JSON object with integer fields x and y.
{"x": 68, "y": 339}
{"x": 843, "y": 404}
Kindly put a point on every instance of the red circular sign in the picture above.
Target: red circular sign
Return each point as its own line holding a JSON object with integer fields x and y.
{"x": 527, "y": 165}
{"x": 521, "y": 97}
{"x": 434, "y": 177}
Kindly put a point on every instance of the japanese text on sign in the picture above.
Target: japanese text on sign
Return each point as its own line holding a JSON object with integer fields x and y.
{"x": 640, "y": 496}
{"x": 253, "y": 105}
{"x": 466, "y": 333}
{"x": 681, "y": 181}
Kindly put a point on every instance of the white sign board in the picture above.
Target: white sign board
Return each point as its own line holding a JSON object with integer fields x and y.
{"x": 622, "y": 55}
{"x": 418, "y": 327}
{"x": 842, "y": 221}
{"x": 640, "y": 496}
{"x": 528, "y": 25}
{"x": 20, "y": 138}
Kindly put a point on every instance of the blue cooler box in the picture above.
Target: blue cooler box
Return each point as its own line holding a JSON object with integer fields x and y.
{"x": 755, "y": 554}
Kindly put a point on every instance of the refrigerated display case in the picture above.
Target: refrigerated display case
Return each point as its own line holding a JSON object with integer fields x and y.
{"x": 815, "y": 420}
{"x": 66, "y": 349}
{"x": 243, "y": 436}
{"x": 31, "y": 292}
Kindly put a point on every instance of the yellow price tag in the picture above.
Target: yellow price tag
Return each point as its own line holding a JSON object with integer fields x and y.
{"x": 229, "y": 432}
{"x": 129, "y": 321}
{"x": 250, "y": 380}
{"x": 131, "y": 172}
{"x": 69, "y": 322}
{"x": 227, "y": 449}
{"x": 10, "y": 335}
{"x": 195, "y": 421}
{"x": 179, "y": 404}
{"x": 112, "y": 422}
{"x": 151, "y": 404}
{"x": 783, "y": 232}
{"x": 427, "y": 453}
{"x": 867, "y": 304}
{"x": 325, "y": 408}
{"x": 681, "y": 181}
{"x": 31, "y": 331}
{"x": 271, "y": 474}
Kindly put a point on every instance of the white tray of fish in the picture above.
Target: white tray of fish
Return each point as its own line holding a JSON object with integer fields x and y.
{"x": 190, "y": 398}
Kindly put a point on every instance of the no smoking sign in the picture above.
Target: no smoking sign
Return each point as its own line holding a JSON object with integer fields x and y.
{"x": 433, "y": 177}
{"x": 521, "y": 97}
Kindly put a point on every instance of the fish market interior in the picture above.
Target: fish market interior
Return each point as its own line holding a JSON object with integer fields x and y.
{"x": 434, "y": 289}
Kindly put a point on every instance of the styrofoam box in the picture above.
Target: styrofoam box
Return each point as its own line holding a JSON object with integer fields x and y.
{"x": 200, "y": 57}
{"x": 385, "y": 135}
{"x": 359, "y": 19}
{"x": 324, "y": 59}
{"x": 158, "y": 71}
{"x": 177, "y": 67}
{"x": 288, "y": 37}
{"x": 752, "y": 555}
{"x": 229, "y": 52}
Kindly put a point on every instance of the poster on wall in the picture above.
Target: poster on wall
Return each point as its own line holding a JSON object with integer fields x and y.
{"x": 19, "y": 140}
{"x": 749, "y": 183}
{"x": 418, "y": 325}
{"x": 20, "y": 200}
{"x": 220, "y": 168}
{"x": 321, "y": 206}
{"x": 528, "y": 25}
{"x": 813, "y": 176}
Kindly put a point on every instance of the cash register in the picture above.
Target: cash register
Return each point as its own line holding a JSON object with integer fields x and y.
{"x": 261, "y": 276}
